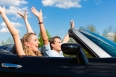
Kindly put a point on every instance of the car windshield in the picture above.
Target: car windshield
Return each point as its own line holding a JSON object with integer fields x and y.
{"x": 107, "y": 45}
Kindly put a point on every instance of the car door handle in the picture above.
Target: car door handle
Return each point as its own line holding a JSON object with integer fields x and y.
{"x": 10, "y": 65}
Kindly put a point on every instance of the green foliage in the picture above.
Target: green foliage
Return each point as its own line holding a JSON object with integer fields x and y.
{"x": 81, "y": 27}
{"x": 2, "y": 43}
{"x": 105, "y": 32}
{"x": 40, "y": 38}
{"x": 71, "y": 40}
{"x": 115, "y": 38}
{"x": 87, "y": 54}
{"x": 65, "y": 55}
{"x": 91, "y": 28}
{"x": 8, "y": 41}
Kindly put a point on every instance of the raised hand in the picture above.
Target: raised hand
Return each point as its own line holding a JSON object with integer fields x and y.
{"x": 24, "y": 16}
{"x": 2, "y": 10}
{"x": 36, "y": 13}
{"x": 72, "y": 24}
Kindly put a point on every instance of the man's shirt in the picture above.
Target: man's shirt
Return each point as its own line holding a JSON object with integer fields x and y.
{"x": 51, "y": 53}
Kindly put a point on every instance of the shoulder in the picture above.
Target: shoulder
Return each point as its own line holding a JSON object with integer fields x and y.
{"x": 47, "y": 46}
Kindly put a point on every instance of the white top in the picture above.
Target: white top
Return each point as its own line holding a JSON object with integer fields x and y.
{"x": 51, "y": 53}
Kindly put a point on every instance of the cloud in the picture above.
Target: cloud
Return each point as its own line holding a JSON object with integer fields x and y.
{"x": 62, "y": 31}
{"x": 62, "y": 3}
{"x": 14, "y": 18}
{"x": 15, "y": 24}
{"x": 14, "y": 6}
{"x": 97, "y": 1}
{"x": 12, "y": 10}
{"x": 3, "y": 24}
{"x": 4, "y": 30}
{"x": 12, "y": 2}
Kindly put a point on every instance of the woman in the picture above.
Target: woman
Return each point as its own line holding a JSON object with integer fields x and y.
{"x": 55, "y": 42}
{"x": 30, "y": 41}
{"x": 28, "y": 27}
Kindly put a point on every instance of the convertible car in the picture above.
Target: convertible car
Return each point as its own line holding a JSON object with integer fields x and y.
{"x": 101, "y": 61}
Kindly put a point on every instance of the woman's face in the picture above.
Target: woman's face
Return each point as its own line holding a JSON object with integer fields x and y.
{"x": 33, "y": 43}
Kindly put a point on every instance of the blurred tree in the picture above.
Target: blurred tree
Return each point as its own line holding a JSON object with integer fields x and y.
{"x": 110, "y": 29}
{"x": 105, "y": 32}
{"x": 91, "y": 28}
{"x": 115, "y": 38}
{"x": 9, "y": 41}
{"x": 71, "y": 40}
{"x": 3, "y": 43}
{"x": 81, "y": 27}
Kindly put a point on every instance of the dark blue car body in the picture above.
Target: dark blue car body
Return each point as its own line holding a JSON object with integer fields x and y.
{"x": 12, "y": 65}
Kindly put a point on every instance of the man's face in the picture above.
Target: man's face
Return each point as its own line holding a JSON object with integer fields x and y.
{"x": 57, "y": 44}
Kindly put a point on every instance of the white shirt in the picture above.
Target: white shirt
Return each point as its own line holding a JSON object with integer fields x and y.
{"x": 51, "y": 53}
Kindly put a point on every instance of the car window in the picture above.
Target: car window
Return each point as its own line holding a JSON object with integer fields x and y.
{"x": 107, "y": 45}
{"x": 88, "y": 55}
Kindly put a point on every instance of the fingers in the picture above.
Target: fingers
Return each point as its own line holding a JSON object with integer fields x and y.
{"x": 72, "y": 23}
{"x": 25, "y": 12}
{"x": 2, "y": 7}
{"x": 20, "y": 14}
{"x": 41, "y": 11}
{"x": 2, "y": 10}
{"x": 33, "y": 9}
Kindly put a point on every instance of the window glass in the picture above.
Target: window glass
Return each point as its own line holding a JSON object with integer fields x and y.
{"x": 107, "y": 45}
{"x": 88, "y": 55}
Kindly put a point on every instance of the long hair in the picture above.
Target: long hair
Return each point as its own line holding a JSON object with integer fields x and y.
{"x": 26, "y": 38}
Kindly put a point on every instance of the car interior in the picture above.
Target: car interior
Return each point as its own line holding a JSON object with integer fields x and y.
{"x": 6, "y": 49}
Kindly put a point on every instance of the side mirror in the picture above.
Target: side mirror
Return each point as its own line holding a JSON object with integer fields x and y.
{"x": 75, "y": 49}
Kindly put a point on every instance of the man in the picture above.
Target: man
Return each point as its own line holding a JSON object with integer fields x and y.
{"x": 53, "y": 49}
{"x": 50, "y": 48}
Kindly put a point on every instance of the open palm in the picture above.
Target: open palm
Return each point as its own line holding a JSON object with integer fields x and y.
{"x": 24, "y": 16}
{"x": 36, "y": 13}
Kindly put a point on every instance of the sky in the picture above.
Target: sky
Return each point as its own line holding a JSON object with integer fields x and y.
{"x": 57, "y": 15}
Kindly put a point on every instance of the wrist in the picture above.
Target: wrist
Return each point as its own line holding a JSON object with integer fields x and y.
{"x": 3, "y": 15}
{"x": 40, "y": 19}
{"x": 40, "y": 22}
{"x": 25, "y": 19}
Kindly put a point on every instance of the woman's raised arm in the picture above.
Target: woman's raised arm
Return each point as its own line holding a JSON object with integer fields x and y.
{"x": 24, "y": 16}
{"x": 13, "y": 32}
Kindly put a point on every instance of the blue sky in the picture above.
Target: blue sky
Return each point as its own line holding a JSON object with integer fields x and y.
{"x": 57, "y": 15}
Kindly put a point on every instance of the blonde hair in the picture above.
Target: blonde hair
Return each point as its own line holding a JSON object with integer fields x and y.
{"x": 26, "y": 38}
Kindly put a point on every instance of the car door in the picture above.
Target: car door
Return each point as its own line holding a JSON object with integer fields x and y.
{"x": 38, "y": 66}
{"x": 12, "y": 65}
